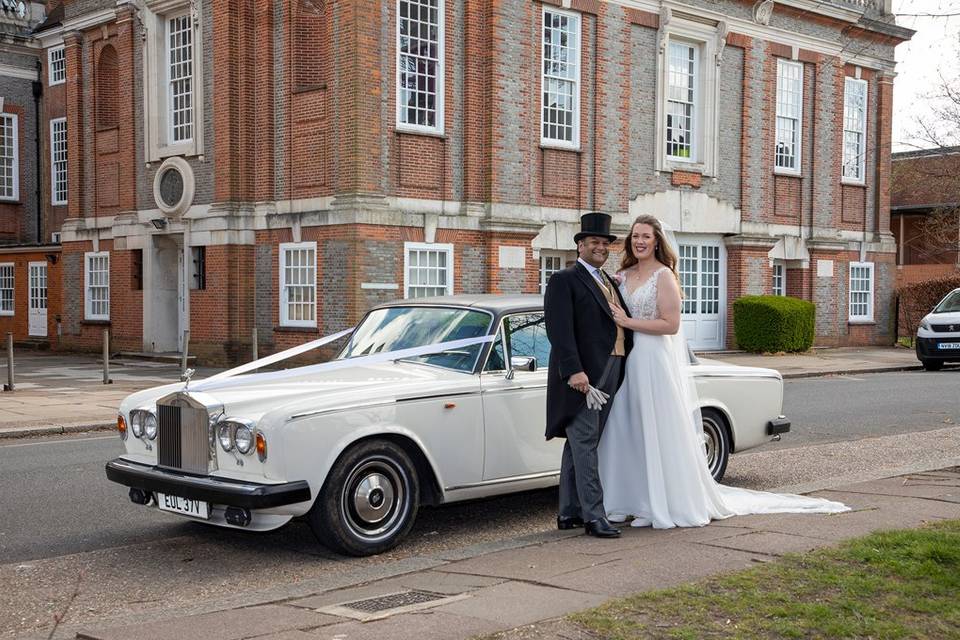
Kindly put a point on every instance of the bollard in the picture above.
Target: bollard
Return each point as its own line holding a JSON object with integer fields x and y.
{"x": 9, "y": 385}
{"x": 106, "y": 357}
{"x": 255, "y": 346}
{"x": 183, "y": 358}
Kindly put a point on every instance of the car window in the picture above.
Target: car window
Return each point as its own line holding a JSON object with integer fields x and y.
{"x": 526, "y": 337}
{"x": 394, "y": 328}
{"x": 950, "y": 304}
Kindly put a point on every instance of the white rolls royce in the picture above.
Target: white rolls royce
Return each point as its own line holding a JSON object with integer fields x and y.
{"x": 357, "y": 448}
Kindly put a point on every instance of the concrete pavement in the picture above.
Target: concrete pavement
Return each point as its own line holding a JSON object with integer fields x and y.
{"x": 535, "y": 580}
{"x": 61, "y": 393}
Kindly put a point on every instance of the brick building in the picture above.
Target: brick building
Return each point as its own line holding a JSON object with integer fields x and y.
{"x": 924, "y": 212}
{"x": 282, "y": 166}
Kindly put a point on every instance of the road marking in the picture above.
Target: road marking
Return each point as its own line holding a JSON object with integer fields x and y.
{"x": 31, "y": 444}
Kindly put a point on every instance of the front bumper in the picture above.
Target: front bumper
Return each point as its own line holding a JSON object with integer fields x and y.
{"x": 235, "y": 493}
{"x": 929, "y": 349}
{"x": 778, "y": 425}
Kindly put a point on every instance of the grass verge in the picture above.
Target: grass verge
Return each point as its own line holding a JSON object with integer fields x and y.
{"x": 897, "y": 584}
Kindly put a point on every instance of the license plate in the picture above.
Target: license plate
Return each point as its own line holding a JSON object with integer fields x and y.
{"x": 949, "y": 345}
{"x": 184, "y": 506}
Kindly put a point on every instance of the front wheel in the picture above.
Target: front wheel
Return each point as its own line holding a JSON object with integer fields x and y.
{"x": 369, "y": 500}
{"x": 716, "y": 442}
{"x": 932, "y": 365}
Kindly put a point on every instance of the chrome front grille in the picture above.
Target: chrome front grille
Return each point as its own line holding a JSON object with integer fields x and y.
{"x": 183, "y": 440}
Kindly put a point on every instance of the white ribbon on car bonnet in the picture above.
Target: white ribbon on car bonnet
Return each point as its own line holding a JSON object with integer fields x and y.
{"x": 228, "y": 378}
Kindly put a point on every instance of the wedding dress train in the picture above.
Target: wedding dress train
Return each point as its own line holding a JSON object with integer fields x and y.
{"x": 651, "y": 460}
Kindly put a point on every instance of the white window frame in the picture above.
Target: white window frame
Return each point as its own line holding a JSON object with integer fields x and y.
{"x": 782, "y": 112}
{"x": 58, "y": 168}
{"x": 695, "y": 107}
{"x": 56, "y": 66}
{"x": 425, "y": 246}
{"x": 168, "y": 67}
{"x": 778, "y": 276}
{"x": 285, "y": 320}
{"x": 438, "y": 127}
{"x": 576, "y": 20}
{"x": 14, "y": 196}
{"x": 4, "y": 266}
{"x": 88, "y": 313}
{"x": 157, "y": 140}
{"x": 868, "y": 316}
{"x": 861, "y": 175}
{"x": 559, "y": 256}
{"x": 704, "y": 157}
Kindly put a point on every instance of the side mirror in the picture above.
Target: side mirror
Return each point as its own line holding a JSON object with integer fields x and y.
{"x": 521, "y": 363}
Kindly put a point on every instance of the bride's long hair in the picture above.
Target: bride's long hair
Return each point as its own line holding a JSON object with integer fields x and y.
{"x": 663, "y": 252}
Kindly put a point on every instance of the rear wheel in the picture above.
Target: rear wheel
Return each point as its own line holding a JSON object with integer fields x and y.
{"x": 716, "y": 442}
{"x": 369, "y": 500}
{"x": 932, "y": 365}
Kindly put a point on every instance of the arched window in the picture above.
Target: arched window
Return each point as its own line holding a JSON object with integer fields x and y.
{"x": 107, "y": 88}
{"x": 309, "y": 43}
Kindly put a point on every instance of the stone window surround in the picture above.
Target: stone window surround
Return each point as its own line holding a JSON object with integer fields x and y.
{"x": 58, "y": 176}
{"x": 438, "y": 128}
{"x": 574, "y": 143}
{"x": 285, "y": 320}
{"x": 427, "y": 246}
{"x": 797, "y": 170}
{"x": 7, "y": 283}
{"x": 868, "y": 317}
{"x": 14, "y": 125}
{"x": 56, "y": 69}
{"x": 711, "y": 39}
{"x": 154, "y": 17}
{"x": 862, "y": 179}
{"x": 87, "y": 301}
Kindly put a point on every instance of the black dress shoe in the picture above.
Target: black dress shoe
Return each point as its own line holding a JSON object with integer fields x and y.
{"x": 569, "y": 522}
{"x": 601, "y": 528}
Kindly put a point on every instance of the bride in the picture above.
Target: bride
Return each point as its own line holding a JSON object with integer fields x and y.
{"x": 651, "y": 459}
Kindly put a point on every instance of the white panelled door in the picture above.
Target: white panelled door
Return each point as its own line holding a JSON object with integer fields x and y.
{"x": 37, "y": 319}
{"x": 703, "y": 277}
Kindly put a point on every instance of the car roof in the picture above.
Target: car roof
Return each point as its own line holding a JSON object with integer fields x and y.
{"x": 497, "y": 304}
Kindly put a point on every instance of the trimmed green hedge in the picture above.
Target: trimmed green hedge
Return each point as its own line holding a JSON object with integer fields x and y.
{"x": 773, "y": 323}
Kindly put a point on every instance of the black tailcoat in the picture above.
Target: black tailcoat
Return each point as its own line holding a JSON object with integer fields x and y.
{"x": 582, "y": 334}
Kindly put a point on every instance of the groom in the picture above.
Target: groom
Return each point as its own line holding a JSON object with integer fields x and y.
{"x": 587, "y": 349}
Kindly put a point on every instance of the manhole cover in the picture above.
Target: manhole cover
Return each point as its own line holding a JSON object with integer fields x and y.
{"x": 392, "y": 601}
{"x": 390, "y": 604}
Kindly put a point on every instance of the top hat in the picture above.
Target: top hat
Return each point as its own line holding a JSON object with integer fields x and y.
{"x": 594, "y": 224}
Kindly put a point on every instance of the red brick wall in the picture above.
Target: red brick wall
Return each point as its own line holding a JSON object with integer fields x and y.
{"x": 18, "y": 322}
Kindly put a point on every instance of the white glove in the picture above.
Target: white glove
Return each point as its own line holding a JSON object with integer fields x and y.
{"x": 596, "y": 398}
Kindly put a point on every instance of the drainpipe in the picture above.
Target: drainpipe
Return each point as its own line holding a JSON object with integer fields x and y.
{"x": 37, "y": 92}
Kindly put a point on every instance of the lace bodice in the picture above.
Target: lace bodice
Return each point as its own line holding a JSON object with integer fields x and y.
{"x": 642, "y": 301}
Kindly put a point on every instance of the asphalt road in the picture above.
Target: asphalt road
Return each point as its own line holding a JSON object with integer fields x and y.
{"x": 63, "y": 521}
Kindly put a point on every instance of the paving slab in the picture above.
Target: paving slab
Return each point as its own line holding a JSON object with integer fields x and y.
{"x": 439, "y": 582}
{"x": 917, "y": 485}
{"x": 223, "y": 625}
{"x": 771, "y": 543}
{"x": 660, "y": 566}
{"x": 513, "y": 604}
{"x": 423, "y": 625}
{"x": 530, "y": 563}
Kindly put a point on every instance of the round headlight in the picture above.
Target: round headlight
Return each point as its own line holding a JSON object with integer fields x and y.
{"x": 136, "y": 423}
{"x": 150, "y": 426}
{"x": 224, "y": 436}
{"x": 244, "y": 439}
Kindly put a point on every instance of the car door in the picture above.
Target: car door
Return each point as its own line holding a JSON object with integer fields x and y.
{"x": 514, "y": 401}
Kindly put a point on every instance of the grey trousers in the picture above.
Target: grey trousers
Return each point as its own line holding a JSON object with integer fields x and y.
{"x": 580, "y": 491}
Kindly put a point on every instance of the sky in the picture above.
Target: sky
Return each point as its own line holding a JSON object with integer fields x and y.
{"x": 934, "y": 48}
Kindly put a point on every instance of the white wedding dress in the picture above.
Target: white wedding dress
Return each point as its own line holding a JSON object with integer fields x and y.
{"x": 651, "y": 457}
